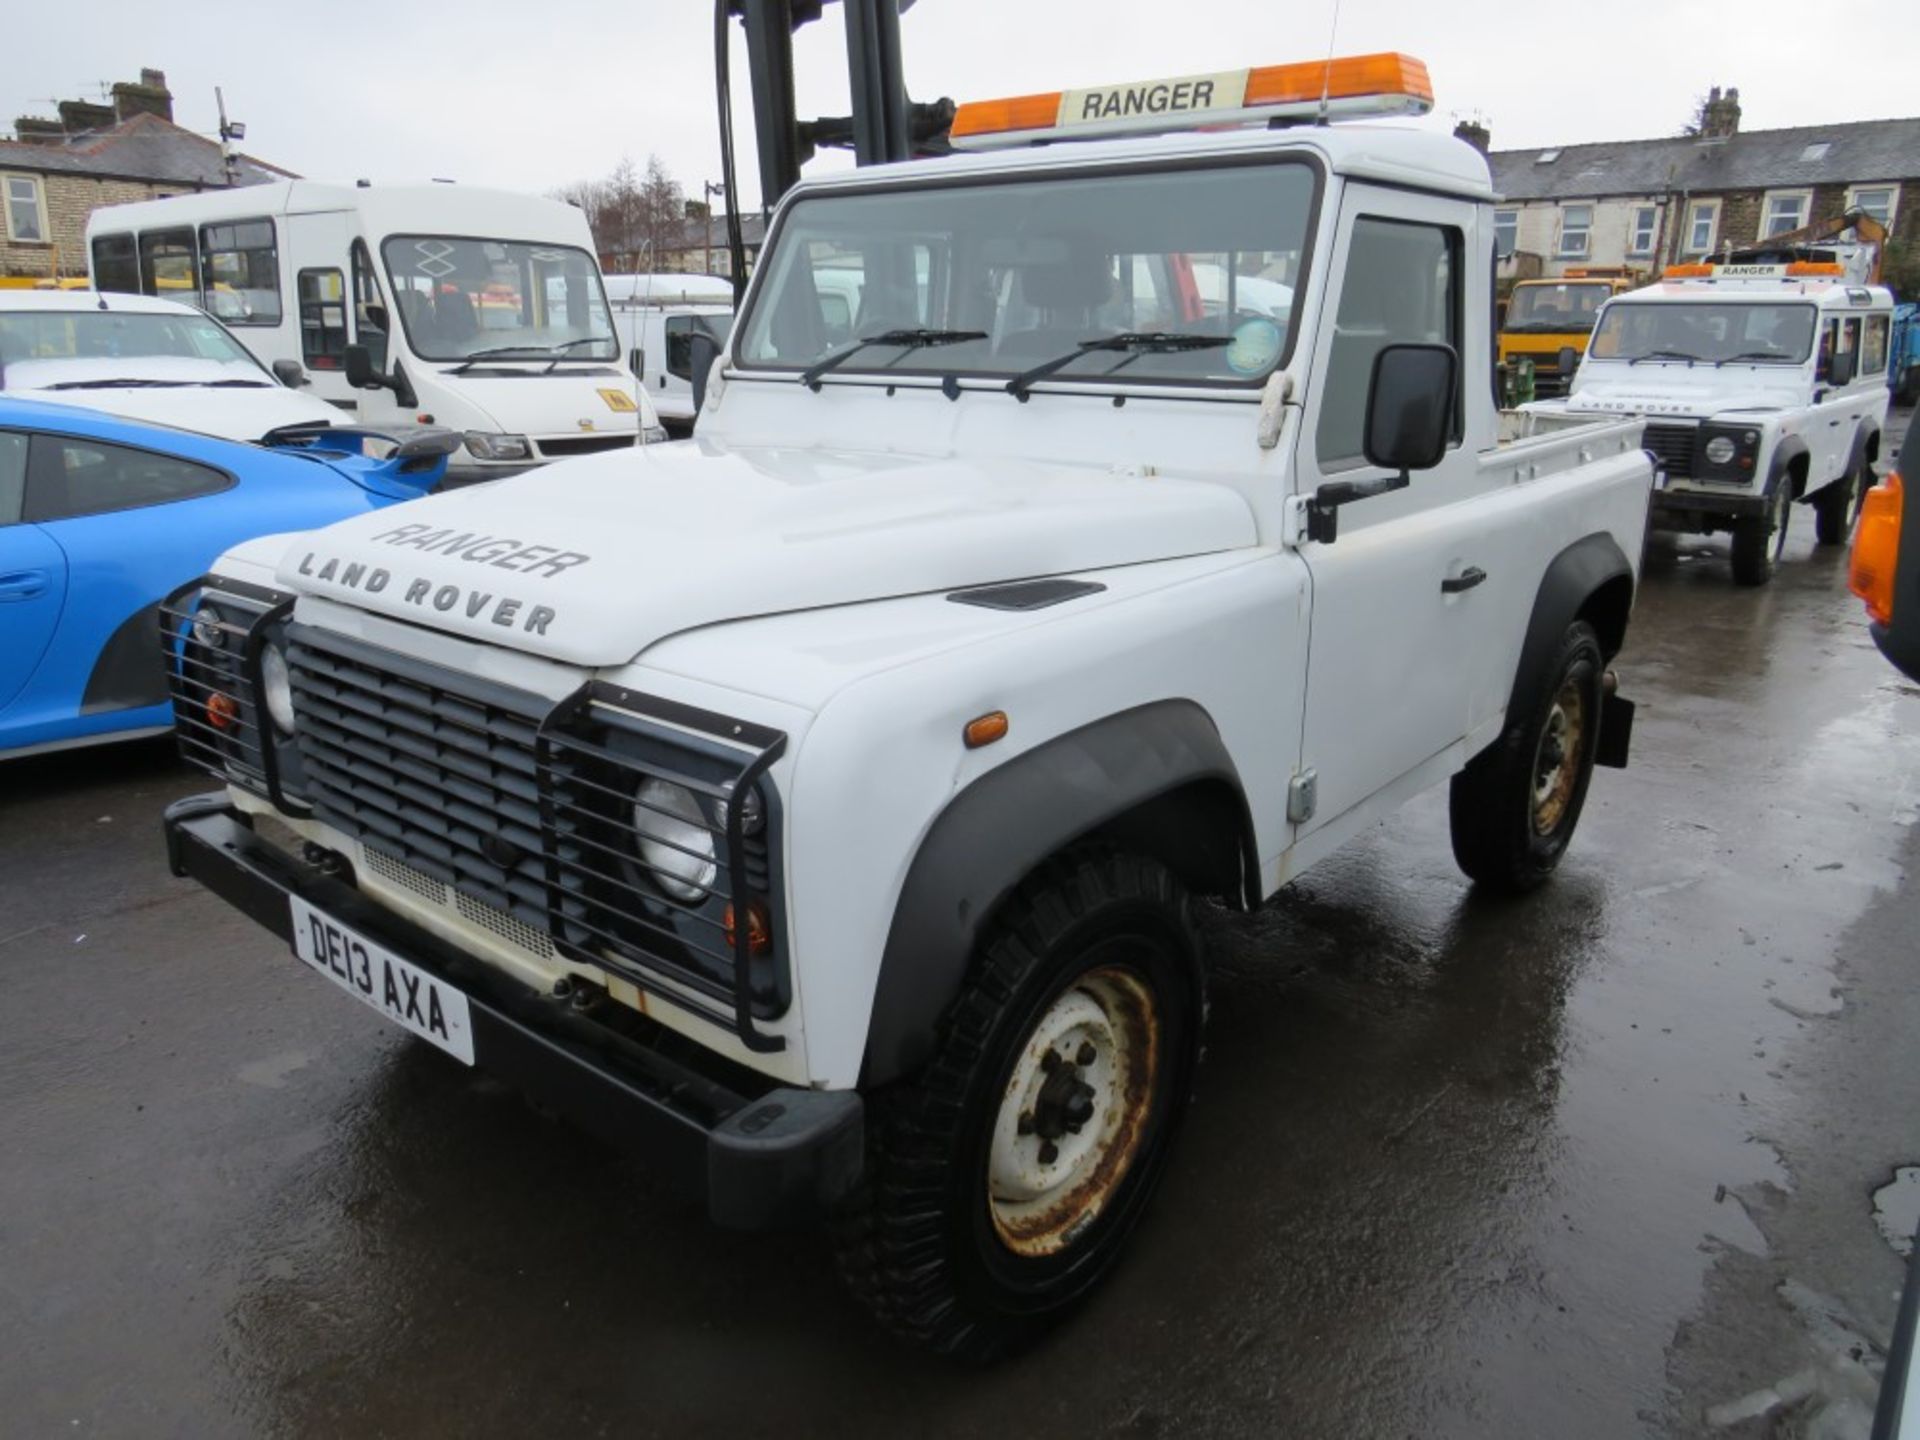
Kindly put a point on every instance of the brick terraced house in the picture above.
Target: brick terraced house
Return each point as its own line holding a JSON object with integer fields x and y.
{"x": 55, "y": 173}
{"x": 1649, "y": 203}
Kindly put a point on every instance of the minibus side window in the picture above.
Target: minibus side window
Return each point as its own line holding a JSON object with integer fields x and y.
{"x": 370, "y": 322}
{"x": 241, "y": 265}
{"x": 323, "y": 318}
{"x": 116, "y": 264}
{"x": 169, "y": 267}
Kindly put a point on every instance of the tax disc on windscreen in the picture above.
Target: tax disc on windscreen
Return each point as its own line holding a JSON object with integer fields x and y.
{"x": 1255, "y": 347}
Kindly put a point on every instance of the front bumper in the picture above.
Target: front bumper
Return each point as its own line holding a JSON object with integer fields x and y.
{"x": 757, "y": 1158}
{"x": 1694, "y": 505}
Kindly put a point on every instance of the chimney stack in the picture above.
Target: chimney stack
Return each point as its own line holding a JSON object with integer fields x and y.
{"x": 1720, "y": 116}
{"x": 147, "y": 96}
{"x": 1474, "y": 133}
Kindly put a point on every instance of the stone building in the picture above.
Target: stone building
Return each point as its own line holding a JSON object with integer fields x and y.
{"x": 55, "y": 173}
{"x": 1649, "y": 203}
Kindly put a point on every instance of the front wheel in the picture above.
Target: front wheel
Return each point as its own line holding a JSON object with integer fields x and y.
{"x": 1003, "y": 1180}
{"x": 1512, "y": 811}
{"x": 1759, "y": 542}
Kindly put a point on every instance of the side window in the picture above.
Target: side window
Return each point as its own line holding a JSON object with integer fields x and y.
{"x": 168, "y": 267}
{"x": 116, "y": 264}
{"x": 323, "y": 318}
{"x": 13, "y": 475}
{"x": 68, "y": 478}
{"x": 1402, "y": 284}
{"x": 1873, "y": 345}
{"x": 370, "y": 321}
{"x": 241, "y": 267}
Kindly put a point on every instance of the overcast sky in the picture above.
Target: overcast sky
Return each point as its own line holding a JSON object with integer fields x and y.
{"x": 531, "y": 96}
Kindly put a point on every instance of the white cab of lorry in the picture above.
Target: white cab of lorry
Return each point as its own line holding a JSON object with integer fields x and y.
{"x": 657, "y": 318}
{"x": 481, "y": 311}
{"x": 1763, "y": 386}
{"x": 821, "y": 804}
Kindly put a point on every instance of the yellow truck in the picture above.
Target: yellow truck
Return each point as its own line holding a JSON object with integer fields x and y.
{"x": 1548, "y": 321}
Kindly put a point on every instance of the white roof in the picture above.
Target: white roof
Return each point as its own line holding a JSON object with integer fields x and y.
{"x": 669, "y": 289}
{"x": 71, "y": 300}
{"x": 1824, "y": 291}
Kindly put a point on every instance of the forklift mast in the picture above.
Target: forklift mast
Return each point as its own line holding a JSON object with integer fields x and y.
{"x": 884, "y": 126}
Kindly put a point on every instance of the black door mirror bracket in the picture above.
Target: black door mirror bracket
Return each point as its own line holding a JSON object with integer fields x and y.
{"x": 1410, "y": 411}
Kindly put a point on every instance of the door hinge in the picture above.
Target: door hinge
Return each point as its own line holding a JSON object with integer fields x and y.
{"x": 1302, "y": 793}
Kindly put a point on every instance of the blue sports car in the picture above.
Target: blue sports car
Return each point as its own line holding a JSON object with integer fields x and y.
{"x": 100, "y": 518}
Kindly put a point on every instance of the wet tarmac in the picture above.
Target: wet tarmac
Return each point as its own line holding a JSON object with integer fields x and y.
{"x": 1566, "y": 1167}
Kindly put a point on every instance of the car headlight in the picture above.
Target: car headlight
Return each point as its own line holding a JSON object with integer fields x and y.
{"x": 485, "y": 445}
{"x": 1720, "y": 449}
{"x": 653, "y": 434}
{"x": 276, "y": 686}
{"x": 674, "y": 841}
{"x": 209, "y": 628}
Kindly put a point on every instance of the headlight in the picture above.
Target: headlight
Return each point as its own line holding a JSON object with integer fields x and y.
{"x": 209, "y": 629}
{"x": 277, "y": 687}
{"x": 674, "y": 840}
{"x": 485, "y": 445}
{"x": 653, "y": 435}
{"x": 1720, "y": 449}
{"x": 753, "y": 813}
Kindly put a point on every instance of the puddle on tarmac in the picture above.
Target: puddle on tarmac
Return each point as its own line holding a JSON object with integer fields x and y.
{"x": 1896, "y": 1209}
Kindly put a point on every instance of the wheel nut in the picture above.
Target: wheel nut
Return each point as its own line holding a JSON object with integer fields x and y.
{"x": 1087, "y": 1053}
{"x": 1025, "y": 1127}
{"x": 1049, "y": 1152}
{"x": 1049, "y": 1061}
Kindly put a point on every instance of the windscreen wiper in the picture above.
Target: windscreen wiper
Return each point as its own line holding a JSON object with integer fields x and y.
{"x": 1666, "y": 355}
{"x": 496, "y": 353}
{"x": 559, "y": 352}
{"x": 232, "y": 384}
{"x": 1145, "y": 342}
{"x": 907, "y": 340}
{"x": 1750, "y": 355}
{"x": 121, "y": 384}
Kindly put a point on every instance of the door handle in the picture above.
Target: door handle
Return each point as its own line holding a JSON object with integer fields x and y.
{"x": 1465, "y": 580}
{"x": 23, "y": 584}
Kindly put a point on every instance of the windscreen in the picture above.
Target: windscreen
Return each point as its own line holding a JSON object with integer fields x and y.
{"x": 1567, "y": 309}
{"x": 114, "y": 335}
{"x": 1758, "y": 333}
{"x": 1010, "y": 274}
{"x": 462, "y": 297}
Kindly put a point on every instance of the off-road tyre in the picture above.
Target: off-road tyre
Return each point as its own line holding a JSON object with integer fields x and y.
{"x": 921, "y": 1243}
{"x": 1506, "y": 836}
{"x": 1757, "y": 542}
{"x": 1838, "y": 506}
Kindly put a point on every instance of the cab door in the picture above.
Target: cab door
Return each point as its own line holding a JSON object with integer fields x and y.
{"x": 1408, "y": 598}
{"x": 33, "y": 578}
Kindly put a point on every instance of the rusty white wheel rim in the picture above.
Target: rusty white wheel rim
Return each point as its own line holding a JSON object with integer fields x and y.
{"x": 1556, "y": 760}
{"x": 1074, "y": 1111}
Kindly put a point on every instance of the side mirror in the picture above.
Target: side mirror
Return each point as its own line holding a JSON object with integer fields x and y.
{"x": 1840, "y": 369}
{"x": 290, "y": 373}
{"x": 359, "y": 366}
{"x": 702, "y": 351}
{"x": 637, "y": 363}
{"x": 1410, "y": 407}
{"x": 1569, "y": 362}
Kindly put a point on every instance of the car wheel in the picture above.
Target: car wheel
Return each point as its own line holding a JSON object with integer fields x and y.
{"x": 1513, "y": 809}
{"x": 1838, "y": 506}
{"x": 1004, "y": 1178}
{"x": 1758, "y": 543}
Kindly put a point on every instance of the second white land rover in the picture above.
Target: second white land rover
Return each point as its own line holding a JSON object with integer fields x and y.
{"x": 818, "y": 804}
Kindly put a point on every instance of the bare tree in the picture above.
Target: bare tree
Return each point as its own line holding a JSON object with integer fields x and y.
{"x": 635, "y": 220}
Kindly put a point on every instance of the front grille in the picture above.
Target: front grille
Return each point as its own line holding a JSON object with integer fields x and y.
{"x": 560, "y": 446}
{"x": 1672, "y": 447}
{"x": 525, "y": 810}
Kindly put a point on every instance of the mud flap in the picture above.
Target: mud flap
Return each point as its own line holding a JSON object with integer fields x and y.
{"x": 1616, "y": 732}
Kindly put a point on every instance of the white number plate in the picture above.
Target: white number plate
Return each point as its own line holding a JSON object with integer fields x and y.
{"x": 404, "y": 993}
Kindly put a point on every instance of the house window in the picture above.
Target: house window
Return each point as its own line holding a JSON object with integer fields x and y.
{"x": 1576, "y": 231}
{"x": 1645, "y": 221}
{"x": 1506, "y": 232}
{"x": 241, "y": 267}
{"x": 26, "y": 209}
{"x": 1785, "y": 210}
{"x": 1879, "y": 201}
{"x": 1702, "y": 220}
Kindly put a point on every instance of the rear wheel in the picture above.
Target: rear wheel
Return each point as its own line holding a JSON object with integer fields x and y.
{"x": 1514, "y": 808}
{"x": 1004, "y": 1179}
{"x": 1759, "y": 541}
{"x": 1838, "y": 506}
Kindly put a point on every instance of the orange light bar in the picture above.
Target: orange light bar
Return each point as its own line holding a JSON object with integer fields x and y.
{"x": 1687, "y": 272}
{"x": 1385, "y": 84}
{"x": 1813, "y": 267}
{"x": 1347, "y": 78}
{"x": 1876, "y": 549}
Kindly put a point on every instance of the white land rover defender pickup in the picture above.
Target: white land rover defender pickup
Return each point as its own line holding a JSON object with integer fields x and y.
{"x": 1763, "y": 384}
{"x": 819, "y": 804}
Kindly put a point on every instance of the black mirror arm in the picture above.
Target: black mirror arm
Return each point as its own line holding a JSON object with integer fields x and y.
{"x": 1323, "y": 506}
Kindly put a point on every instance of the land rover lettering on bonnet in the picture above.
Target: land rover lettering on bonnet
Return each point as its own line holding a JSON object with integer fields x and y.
{"x": 1072, "y": 530}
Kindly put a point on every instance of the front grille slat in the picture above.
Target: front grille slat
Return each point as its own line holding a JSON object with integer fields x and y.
{"x": 1672, "y": 447}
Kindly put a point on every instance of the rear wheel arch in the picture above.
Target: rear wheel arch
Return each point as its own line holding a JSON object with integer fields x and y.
{"x": 1156, "y": 780}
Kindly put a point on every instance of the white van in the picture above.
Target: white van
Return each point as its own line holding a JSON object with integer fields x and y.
{"x": 481, "y": 309}
{"x": 657, "y": 317}
{"x": 144, "y": 359}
